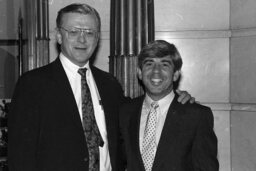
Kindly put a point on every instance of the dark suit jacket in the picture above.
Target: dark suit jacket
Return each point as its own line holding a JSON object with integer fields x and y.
{"x": 187, "y": 142}
{"x": 45, "y": 129}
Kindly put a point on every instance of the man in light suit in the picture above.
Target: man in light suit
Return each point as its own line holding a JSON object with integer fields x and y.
{"x": 169, "y": 136}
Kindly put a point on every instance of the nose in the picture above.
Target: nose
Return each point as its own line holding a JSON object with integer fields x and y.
{"x": 82, "y": 37}
{"x": 156, "y": 68}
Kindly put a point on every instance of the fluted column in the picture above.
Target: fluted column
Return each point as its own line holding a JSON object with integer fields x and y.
{"x": 36, "y": 28}
{"x": 42, "y": 36}
{"x": 131, "y": 27}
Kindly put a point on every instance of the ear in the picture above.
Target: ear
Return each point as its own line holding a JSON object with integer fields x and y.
{"x": 98, "y": 36}
{"x": 176, "y": 75}
{"x": 58, "y": 36}
{"x": 139, "y": 73}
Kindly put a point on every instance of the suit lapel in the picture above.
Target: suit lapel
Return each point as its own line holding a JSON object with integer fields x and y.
{"x": 65, "y": 93}
{"x": 110, "y": 106}
{"x": 104, "y": 95}
{"x": 134, "y": 126}
{"x": 110, "y": 110}
{"x": 169, "y": 134}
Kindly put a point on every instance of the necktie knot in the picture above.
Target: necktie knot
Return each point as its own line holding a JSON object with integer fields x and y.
{"x": 82, "y": 71}
{"x": 154, "y": 105}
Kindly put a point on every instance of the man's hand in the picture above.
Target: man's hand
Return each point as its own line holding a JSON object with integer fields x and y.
{"x": 184, "y": 97}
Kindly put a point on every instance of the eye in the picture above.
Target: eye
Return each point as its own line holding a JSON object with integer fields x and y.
{"x": 148, "y": 63}
{"x": 74, "y": 32}
{"x": 90, "y": 33}
{"x": 166, "y": 64}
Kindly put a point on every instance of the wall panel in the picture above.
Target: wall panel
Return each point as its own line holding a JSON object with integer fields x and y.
{"x": 243, "y": 62}
{"x": 191, "y": 15}
{"x": 243, "y": 140}
{"x": 243, "y": 14}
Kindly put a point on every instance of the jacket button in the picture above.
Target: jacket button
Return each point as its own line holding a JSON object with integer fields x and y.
{"x": 86, "y": 159}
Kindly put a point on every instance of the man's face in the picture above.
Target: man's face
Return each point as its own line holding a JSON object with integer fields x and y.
{"x": 78, "y": 49}
{"x": 157, "y": 75}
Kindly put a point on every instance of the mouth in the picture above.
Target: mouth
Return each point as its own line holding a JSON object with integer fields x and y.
{"x": 81, "y": 48}
{"x": 156, "y": 81}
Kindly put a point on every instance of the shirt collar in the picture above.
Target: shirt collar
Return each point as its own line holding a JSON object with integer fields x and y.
{"x": 163, "y": 103}
{"x": 70, "y": 66}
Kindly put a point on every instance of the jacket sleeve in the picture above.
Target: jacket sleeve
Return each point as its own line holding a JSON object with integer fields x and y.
{"x": 23, "y": 126}
{"x": 205, "y": 146}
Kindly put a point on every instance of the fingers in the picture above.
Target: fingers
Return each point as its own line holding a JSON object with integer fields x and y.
{"x": 185, "y": 97}
{"x": 192, "y": 100}
{"x": 178, "y": 91}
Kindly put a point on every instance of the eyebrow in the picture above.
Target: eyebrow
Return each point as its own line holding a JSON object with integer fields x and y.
{"x": 151, "y": 60}
{"x": 168, "y": 61}
{"x": 79, "y": 28}
{"x": 147, "y": 60}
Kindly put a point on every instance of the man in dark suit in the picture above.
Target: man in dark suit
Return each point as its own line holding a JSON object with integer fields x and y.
{"x": 47, "y": 122}
{"x": 159, "y": 133}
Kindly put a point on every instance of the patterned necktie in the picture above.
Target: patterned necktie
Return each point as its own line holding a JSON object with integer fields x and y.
{"x": 149, "y": 139}
{"x": 91, "y": 130}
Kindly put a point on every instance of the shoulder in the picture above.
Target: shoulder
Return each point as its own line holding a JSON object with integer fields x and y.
{"x": 108, "y": 85}
{"x": 131, "y": 107}
{"x": 130, "y": 111}
{"x": 37, "y": 78}
{"x": 198, "y": 111}
{"x": 36, "y": 74}
{"x": 196, "y": 107}
{"x": 103, "y": 75}
{"x": 194, "y": 115}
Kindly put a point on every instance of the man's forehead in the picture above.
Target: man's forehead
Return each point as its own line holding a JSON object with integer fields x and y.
{"x": 160, "y": 58}
{"x": 79, "y": 19}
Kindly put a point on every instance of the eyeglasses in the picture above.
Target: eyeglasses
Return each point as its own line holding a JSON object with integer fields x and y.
{"x": 75, "y": 32}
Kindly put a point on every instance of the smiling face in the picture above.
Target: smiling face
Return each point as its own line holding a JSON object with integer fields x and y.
{"x": 157, "y": 75}
{"x": 77, "y": 49}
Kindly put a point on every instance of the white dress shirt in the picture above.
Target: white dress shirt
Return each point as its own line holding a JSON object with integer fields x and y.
{"x": 164, "y": 105}
{"x": 75, "y": 81}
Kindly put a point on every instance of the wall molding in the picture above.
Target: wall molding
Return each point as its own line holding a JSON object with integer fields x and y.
{"x": 189, "y": 34}
{"x": 232, "y": 107}
{"x": 218, "y": 106}
{"x": 205, "y": 34}
{"x": 243, "y": 32}
{"x": 193, "y": 34}
{"x": 244, "y": 107}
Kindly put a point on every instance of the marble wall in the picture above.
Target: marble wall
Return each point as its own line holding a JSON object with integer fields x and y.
{"x": 243, "y": 84}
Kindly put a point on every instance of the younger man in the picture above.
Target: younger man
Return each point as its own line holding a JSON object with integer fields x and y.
{"x": 159, "y": 133}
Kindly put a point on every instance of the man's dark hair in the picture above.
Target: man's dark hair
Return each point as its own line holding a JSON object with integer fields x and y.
{"x": 159, "y": 49}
